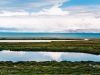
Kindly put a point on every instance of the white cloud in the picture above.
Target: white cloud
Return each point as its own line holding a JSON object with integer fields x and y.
{"x": 49, "y": 23}
{"x": 13, "y": 5}
{"x": 53, "y": 55}
{"x": 59, "y": 55}
{"x": 54, "y": 10}
{"x": 20, "y": 13}
{"x": 13, "y": 53}
{"x": 51, "y": 20}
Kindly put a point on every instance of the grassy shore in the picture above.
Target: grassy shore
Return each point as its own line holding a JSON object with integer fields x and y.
{"x": 49, "y": 68}
{"x": 39, "y": 38}
{"x": 87, "y": 46}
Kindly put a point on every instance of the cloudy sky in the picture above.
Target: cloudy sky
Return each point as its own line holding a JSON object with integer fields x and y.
{"x": 49, "y": 15}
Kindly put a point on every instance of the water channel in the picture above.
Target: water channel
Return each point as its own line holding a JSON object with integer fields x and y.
{"x": 7, "y": 55}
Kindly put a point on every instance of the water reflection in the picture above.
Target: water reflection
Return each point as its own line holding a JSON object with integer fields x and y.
{"x": 46, "y": 56}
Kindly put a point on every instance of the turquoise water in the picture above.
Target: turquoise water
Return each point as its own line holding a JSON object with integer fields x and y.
{"x": 52, "y": 35}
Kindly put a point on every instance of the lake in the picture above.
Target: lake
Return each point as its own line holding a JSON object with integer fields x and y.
{"x": 14, "y": 56}
{"x": 50, "y": 35}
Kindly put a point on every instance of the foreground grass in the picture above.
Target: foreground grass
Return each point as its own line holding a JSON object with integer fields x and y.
{"x": 49, "y": 68}
{"x": 91, "y": 46}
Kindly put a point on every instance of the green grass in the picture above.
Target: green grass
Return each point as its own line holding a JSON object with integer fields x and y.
{"x": 50, "y": 68}
{"x": 91, "y": 46}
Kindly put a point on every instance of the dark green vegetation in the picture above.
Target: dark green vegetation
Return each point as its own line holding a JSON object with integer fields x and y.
{"x": 49, "y": 68}
{"x": 91, "y": 46}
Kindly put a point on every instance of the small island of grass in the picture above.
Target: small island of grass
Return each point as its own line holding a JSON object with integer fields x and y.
{"x": 85, "y": 46}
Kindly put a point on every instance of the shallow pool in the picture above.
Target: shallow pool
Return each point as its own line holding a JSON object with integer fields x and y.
{"x": 7, "y": 55}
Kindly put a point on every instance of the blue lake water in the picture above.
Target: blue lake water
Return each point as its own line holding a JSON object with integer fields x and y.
{"x": 46, "y": 56}
{"x": 53, "y": 35}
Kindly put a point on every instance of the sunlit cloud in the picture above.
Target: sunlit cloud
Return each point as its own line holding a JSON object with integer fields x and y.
{"x": 49, "y": 23}
{"x": 14, "y": 5}
{"x": 54, "y": 10}
{"x": 51, "y": 19}
{"x": 11, "y": 53}
{"x": 53, "y": 55}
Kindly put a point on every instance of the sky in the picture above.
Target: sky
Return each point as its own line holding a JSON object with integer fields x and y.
{"x": 49, "y": 15}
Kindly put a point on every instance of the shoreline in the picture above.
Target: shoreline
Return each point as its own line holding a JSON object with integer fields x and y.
{"x": 37, "y": 40}
{"x": 84, "y": 46}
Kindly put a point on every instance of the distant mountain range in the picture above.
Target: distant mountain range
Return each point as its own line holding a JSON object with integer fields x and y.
{"x": 81, "y": 31}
